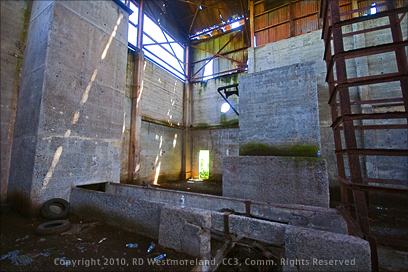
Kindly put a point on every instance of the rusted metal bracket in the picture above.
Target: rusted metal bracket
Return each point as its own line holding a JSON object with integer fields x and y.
{"x": 229, "y": 93}
{"x": 248, "y": 208}
{"x": 226, "y": 226}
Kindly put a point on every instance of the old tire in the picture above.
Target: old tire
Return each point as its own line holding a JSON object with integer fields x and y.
{"x": 52, "y": 227}
{"x": 48, "y": 214}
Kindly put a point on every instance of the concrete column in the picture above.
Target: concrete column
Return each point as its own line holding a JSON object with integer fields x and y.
{"x": 136, "y": 121}
{"x": 187, "y": 148}
{"x": 14, "y": 20}
{"x": 70, "y": 110}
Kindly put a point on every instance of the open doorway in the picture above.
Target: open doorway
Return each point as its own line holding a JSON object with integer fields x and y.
{"x": 204, "y": 164}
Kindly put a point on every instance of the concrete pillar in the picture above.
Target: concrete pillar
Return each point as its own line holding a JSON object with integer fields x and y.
{"x": 136, "y": 121}
{"x": 14, "y": 19}
{"x": 70, "y": 110}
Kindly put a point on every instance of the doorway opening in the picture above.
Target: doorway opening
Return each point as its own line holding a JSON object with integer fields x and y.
{"x": 204, "y": 164}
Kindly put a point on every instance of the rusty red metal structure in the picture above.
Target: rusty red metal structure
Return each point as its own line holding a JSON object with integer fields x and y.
{"x": 350, "y": 175}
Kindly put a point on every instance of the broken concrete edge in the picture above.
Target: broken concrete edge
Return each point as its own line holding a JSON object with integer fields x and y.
{"x": 314, "y": 250}
{"x": 294, "y": 214}
{"x": 186, "y": 230}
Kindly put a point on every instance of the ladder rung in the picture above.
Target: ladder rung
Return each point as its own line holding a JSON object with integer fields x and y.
{"x": 359, "y": 81}
{"x": 370, "y": 50}
{"x": 370, "y": 17}
{"x": 372, "y": 127}
{"x": 373, "y": 152}
{"x": 368, "y": 116}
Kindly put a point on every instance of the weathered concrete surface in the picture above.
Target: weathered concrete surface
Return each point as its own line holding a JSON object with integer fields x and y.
{"x": 286, "y": 180}
{"x": 186, "y": 230}
{"x": 278, "y": 107}
{"x": 161, "y": 106}
{"x": 161, "y": 153}
{"x": 311, "y": 250}
{"x": 260, "y": 230}
{"x": 310, "y": 47}
{"x": 70, "y": 114}
{"x": 207, "y": 102}
{"x": 297, "y": 215}
{"x": 14, "y": 16}
{"x": 130, "y": 213}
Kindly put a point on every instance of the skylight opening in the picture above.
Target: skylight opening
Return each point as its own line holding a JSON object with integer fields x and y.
{"x": 158, "y": 46}
{"x": 208, "y": 71}
{"x": 235, "y": 25}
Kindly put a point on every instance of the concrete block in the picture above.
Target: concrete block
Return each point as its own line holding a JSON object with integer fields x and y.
{"x": 278, "y": 107}
{"x": 312, "y": 250}
{"x": 260, "y": 230}
{"x": 126, "y": 212}
{"x": 186, "y": 230}
{"x": 297, "y": 215}
{"x": 286, "y": 180}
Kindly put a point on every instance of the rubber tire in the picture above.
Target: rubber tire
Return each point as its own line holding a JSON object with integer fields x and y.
{"x": 48, "y": 214}
{"x": 52, "y": 227}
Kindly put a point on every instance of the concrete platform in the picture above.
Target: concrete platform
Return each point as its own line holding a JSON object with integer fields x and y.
{"x": 285, "y": 180}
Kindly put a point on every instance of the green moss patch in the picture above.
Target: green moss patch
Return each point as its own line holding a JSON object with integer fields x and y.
{"x": 260, "y": 149}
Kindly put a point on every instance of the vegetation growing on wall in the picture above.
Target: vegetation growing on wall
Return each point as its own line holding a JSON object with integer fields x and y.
{"x": 261, "y": 149}
{"x": 234, "y": 123}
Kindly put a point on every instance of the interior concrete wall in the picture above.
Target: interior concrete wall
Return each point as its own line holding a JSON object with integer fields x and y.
{"x": 310, "y": 47}
{"x": 70, "y": 110}
{"x": 14, "y": 20}
{"x": 162, "y": 131}
{"x": 213, "y": 130}
{"x": 299, "y": 49}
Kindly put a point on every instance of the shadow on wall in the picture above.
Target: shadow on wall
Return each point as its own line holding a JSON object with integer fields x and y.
{"x": 75, "y": 118}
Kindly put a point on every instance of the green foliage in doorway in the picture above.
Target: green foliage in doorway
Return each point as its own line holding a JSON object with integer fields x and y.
{"x": 204, "y": 174}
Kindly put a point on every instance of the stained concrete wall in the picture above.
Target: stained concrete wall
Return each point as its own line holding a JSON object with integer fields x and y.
{"x": 161, "y": 103}
{"x": 279, "y": 107}
{"x": 14, "y": 19}
{"x": 70, "y": 110}
{"x": 213, "y": 130}
{"x": 310, "y": 47}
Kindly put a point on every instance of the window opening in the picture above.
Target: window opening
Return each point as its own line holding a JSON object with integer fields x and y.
{"x": 208, "y": 71}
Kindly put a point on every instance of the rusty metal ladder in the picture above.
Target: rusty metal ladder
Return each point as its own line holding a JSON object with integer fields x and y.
{"x": 343, "y": 117}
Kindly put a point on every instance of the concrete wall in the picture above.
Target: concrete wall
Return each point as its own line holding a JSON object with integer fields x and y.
{"x": 220, "y": 143}
{"x": 70, "y": 110}
{"x": 303, "y": 48}
{"x": 310, "y": 47}
{"x": 14, "y": 20}
{"x": 279, "y": 107}
{"x": 161, "y": 112}
{"x": 212, "y": 129}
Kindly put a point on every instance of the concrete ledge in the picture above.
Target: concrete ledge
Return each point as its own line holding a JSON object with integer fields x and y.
{"x": 286, "y": 180}
{"x": 126, "y": 212}
{"x": 186, "y": 230}
{"x": 292, "y": 214}
{"x": 312, "y": 250}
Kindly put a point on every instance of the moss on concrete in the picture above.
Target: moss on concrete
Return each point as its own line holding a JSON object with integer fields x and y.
{"x": 234, "y": 123}
{"x": 229, "y": 79}
{"x": 261, "y": 149}
{"x": 202, "y": 125}
{"x": 230, "y": 123}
